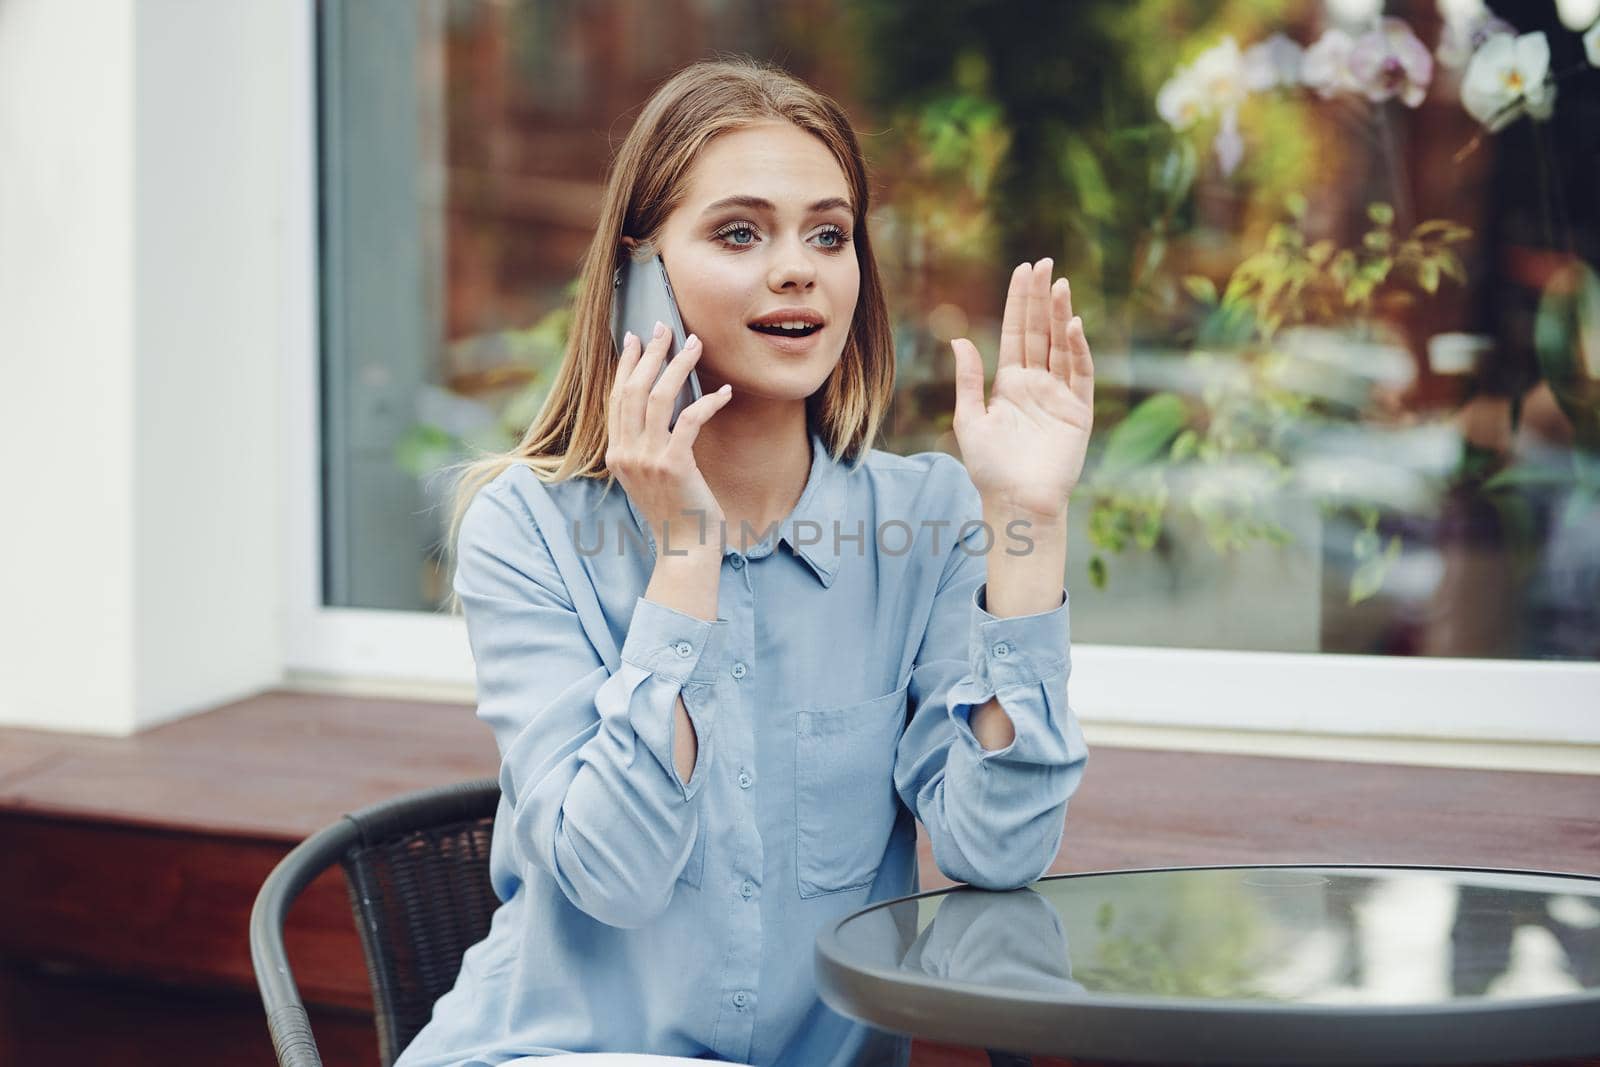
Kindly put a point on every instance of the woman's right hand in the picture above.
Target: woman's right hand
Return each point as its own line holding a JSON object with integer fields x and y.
{"x": 654, "y": 464}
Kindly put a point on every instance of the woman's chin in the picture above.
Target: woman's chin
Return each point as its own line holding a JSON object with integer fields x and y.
{"x": 765, "y": 374}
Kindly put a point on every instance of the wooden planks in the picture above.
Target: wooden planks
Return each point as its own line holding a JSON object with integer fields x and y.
{"x": 133, "y": 863}
{"x": 277, "y": 766}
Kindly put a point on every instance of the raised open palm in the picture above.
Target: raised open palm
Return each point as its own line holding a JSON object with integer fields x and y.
{"x": 1025, "y": 448}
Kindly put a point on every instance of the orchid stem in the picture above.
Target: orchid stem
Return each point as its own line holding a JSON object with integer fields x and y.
{"x": 1544, "y": 188}
{"x": 1402, "y": 195}
{"x": 1556, "y": 190}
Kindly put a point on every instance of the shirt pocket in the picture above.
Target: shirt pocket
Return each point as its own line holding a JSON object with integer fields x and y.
{"x": 694, "y": 870}
{"x": 845, "y": 803}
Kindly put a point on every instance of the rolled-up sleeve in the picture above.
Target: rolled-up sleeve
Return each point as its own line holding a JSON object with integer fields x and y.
{"x": 586, "y": 754}
{"x": 995, "y": 818}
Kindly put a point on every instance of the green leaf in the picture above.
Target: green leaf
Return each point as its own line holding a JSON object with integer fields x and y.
{"x": 1520, "y": 476}
{"x": 1183, "y": 446}
{"x": 424, "y": 448}
{"x": 1428, "y": 275}
{"x": 1381, "y": 213}
{"x": 1566, "y": 334}
{"x": 1201, "y": 288}
{"x": 1082, "y": 169}
{"x": 1296, "y": 204}
{"x": 1343, "y": 267}
{"x": 1368, "y": 578}
{"x": 1097, "y": 572}
{"x": 1140, "y": 437}
{"x": 1147, "y": 529}
{"x": 1176, "y": 173}
{"x": 1441, "y": 229}
{"x": 1366, "y": 544}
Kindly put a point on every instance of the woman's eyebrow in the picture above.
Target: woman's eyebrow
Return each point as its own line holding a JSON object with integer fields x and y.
{"x": 756, "y": 203}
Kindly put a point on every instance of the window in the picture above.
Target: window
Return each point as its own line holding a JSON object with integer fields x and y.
{"x": 1338, "y": 263}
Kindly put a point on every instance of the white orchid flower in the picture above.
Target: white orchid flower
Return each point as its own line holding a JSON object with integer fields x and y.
{"x": 1272, "y": 63}
{"x": 1326, "y": 67}
{"x": 1228, "y": 144}
{"x": 1181, "y": 102}
{"x": 1391, "y": 61}
{"x": 1219, "y": 70}
{"x": 1507, "y": 77}
{"x": 1466, "y": 32}
{"x": 1213, "y": 82}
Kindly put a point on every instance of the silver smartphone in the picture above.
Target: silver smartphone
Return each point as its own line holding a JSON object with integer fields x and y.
{"x": 641, "y": 297}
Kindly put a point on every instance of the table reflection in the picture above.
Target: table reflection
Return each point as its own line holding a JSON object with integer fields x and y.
{"x": 1244, "y": 964}
{"x": 1301, "y": 935}
{"x": 1011, "y": 940}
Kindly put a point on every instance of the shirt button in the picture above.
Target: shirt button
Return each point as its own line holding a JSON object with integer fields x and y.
{"x": 739, "y": 670}
{"x": 747, "y": 890}
{"x": 740, "y": 999}
{"x": 736, "y": 562}
{"x": 684, "y": 649}
{"x": 1001, "y": 648}
{"x": 745, "y": 780}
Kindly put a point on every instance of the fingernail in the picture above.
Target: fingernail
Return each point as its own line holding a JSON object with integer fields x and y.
{"x": 691, "y": 341}
{"x": 627, "y": 339}
{"x": 661, "y": 328}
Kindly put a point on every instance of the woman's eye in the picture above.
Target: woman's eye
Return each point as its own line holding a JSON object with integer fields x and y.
{"x": 743, "y": 236}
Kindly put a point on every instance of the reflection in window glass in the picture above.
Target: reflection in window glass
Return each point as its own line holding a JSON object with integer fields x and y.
{"x": 1338, "y": 262}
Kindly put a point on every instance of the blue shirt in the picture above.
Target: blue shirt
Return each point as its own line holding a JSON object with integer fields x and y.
{"x": 830, "y": 700}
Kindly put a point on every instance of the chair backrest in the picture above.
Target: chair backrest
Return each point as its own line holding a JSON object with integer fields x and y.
{"x": 417, "y": 868}
{"x": 419, "y": 887}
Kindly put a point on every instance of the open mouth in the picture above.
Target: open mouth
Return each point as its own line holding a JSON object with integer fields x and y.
{"x": 785, "y": 331}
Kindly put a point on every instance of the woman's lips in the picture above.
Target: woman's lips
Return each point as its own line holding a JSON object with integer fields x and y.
{"x": 792, "y": 345}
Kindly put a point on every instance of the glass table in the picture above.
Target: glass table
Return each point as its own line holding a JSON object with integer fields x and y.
{"x": 1235, "y": 965}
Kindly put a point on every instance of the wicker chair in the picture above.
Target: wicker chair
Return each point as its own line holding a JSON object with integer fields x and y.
{"x": 417, "y": 868}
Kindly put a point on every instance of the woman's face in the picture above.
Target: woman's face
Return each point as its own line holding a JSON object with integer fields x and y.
{"x": 734, "y": 260}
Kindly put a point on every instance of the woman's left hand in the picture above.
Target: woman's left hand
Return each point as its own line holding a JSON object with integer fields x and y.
{"x": 1025, "y": 449}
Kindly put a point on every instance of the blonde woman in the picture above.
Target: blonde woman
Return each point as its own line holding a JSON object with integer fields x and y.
{"x": 724, "y": 695}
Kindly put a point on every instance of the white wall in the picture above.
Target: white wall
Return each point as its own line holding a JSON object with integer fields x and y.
{"x": 147, "y": 165}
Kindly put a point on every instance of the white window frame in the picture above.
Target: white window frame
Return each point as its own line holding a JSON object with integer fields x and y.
{"x": 1311, "y": 693}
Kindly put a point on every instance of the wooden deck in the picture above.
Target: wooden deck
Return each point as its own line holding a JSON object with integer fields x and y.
{"x": 132, "y": 864}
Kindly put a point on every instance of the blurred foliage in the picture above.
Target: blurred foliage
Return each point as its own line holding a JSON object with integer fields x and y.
{"x": 1238, "y": 438}
{"x": 985, "y": 108}
{"x": 1567, "y": 340}
{"x": 1005, "y": 131}
{"x": 1291, "y": 282}
{"x": 1197, "y": 943}
{"x": 528, "y": 360}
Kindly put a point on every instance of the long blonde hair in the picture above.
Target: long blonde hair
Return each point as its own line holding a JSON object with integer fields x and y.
{"x": 568, "y": 436}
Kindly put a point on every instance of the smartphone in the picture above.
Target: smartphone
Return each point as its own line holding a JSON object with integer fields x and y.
{"x": 641, "y": 297}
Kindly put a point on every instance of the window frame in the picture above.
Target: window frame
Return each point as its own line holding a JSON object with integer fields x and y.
{"x": 1294, "y": 693}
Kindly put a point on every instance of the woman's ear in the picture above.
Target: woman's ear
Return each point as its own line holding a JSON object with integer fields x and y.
{"x": 629, "y": 243}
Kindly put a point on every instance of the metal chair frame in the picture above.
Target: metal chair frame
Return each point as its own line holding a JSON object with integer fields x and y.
{"x": 386, "y": 823}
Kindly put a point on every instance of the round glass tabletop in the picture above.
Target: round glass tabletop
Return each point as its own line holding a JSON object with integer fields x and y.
{"x": 1291, "y": 964}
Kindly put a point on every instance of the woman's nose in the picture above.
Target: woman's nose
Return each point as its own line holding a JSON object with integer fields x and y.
{"x": 791, "y": 267}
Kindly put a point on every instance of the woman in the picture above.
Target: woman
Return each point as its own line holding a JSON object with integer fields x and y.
{"x": 681, "y": 817}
